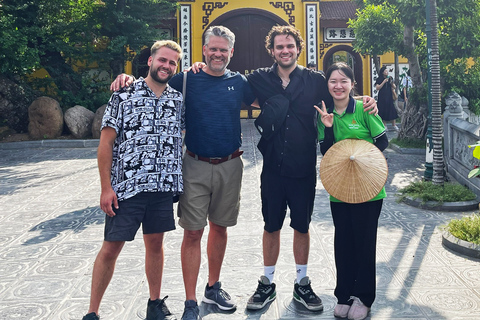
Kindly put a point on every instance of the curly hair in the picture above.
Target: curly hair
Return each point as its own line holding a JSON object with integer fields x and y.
{"x": 287, "y": 30}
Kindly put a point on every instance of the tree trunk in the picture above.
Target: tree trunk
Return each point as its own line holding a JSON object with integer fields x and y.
{"x": 414, "y": 117}
{"x": 376, "y": 62}
{"x": 414, "y": 122}
{"x": 437, "y": 127}
{"x": 413, "y": 63}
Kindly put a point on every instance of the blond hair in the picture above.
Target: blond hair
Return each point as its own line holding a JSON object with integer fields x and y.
{"x": 169, "y": 44}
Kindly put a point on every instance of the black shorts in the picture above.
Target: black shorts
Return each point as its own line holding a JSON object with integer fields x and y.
{"x": 153, "y": 210}
{"x": 278, "y": 192}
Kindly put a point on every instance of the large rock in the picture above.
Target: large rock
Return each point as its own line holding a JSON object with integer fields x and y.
{"x": 45, "y": 119}
{"x": 97, "y": 122}
{"x": 79, "y": 121}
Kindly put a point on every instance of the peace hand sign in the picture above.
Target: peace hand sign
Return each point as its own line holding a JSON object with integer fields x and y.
{"x": 327, "y": 118}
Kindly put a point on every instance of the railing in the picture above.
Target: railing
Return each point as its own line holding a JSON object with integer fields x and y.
{"x": 461, "y": 129}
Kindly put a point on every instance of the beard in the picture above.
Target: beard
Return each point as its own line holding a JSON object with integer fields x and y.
{"x": 154, "y": 74}
{"x": 217, "y": 68}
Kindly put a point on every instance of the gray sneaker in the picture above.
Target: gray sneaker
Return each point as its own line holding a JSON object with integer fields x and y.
{"x": 264, "y": 294}
{"x": 158, "y": 310}
{"x": 303, "y": 293}
{"x": 216, "y": 295}
{"x": 191, "y": 311}
{"x": 91, "y": 316}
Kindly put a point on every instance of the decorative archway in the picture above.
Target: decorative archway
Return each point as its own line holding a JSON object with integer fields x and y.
{"x": 358, "y": 64}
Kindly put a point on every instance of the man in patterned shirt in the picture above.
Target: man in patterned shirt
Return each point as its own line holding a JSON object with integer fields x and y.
{"x": 140, "y": 161}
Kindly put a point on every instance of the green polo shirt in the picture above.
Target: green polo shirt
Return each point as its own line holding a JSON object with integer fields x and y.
{"x": 354, "y": 123}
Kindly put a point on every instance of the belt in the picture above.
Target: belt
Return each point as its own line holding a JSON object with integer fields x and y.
{"x": 235, "y": 154}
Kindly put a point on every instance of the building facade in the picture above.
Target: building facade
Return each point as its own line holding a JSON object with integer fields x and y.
{"x": 322, "y": 23}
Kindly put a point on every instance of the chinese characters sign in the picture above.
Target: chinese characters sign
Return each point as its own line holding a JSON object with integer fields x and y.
{"x": 311, "y": 33}
{"x": 339, "y": 34}
{"x": 186, "y": 35}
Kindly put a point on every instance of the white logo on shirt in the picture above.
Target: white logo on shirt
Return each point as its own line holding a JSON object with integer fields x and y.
{"x": 231, "y": 88}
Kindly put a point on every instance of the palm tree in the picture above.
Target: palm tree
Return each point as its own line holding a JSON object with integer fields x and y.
{"x": 437, "y": 127}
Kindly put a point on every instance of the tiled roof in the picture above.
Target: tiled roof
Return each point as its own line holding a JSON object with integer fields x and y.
{"x": 337, "y": 10}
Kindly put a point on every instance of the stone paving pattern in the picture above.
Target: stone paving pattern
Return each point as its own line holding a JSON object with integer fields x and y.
{"x": 52, "y": 229}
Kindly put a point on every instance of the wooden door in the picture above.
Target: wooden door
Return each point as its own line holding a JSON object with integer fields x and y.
{"x": 250, "y": 27}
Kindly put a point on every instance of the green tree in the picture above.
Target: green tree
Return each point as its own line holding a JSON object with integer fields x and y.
{"x": 67, "y": 38}
{"x": 459, "y": 38}
{"x": 372, "y": 19}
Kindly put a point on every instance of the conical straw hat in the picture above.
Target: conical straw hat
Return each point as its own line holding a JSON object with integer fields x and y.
{"x": 353, "y": 171}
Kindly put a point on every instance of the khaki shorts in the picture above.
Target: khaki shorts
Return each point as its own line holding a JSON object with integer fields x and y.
{"x": 210, "y": 191}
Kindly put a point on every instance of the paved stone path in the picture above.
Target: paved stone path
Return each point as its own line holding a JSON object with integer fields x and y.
{"x": 52, "y": 229}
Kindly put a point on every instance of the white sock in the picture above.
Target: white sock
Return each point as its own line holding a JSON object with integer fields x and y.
{"x": 301, "y": 272}
{"x": 269, "y": 272}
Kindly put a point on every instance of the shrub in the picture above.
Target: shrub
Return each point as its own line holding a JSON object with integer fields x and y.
{"x": 427, "y": 191}
{"x": 467, "y": 228}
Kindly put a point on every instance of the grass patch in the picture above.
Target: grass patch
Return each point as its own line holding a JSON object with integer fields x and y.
{"x": 467, "y": 228}
{"x": 427, "y": 191}
{"x": 409, "y": 143}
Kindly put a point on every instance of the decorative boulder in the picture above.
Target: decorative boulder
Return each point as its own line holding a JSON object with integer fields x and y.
{"x": 45, "y": 119}
{"x": 79, "y": 121}
{"x": 97, "y": 121}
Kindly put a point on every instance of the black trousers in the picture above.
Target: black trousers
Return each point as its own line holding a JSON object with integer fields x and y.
{"x": 355, "y": 249}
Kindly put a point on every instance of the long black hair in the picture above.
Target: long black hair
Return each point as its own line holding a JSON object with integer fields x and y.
{"x": 380, "y": 73}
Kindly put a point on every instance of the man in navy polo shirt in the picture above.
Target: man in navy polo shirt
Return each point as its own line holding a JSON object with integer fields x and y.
{"x": 213, "y": 167}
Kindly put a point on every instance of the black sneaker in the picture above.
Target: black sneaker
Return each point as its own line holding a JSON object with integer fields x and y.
{"x": 191, "y": 311}
{"x": 216, "y": 295}
{"x": 91, "y": 316}
{"x": 157, "y": 310}
{"x": 303, "y": 293}
{"x": 264, "y": 294}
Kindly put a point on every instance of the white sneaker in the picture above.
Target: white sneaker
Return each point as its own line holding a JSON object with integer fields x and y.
{"x": 358, "y": 311}
{"x": 341, "y": 310}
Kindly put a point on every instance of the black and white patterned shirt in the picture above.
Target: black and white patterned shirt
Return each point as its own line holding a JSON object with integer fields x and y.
{"x": 147, "y": 153}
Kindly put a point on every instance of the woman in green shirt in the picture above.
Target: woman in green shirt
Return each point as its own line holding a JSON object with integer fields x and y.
{"x": 355, "y": 224}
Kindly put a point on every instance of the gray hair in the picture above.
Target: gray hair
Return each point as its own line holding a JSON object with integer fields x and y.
{"x": 220, "y": 31}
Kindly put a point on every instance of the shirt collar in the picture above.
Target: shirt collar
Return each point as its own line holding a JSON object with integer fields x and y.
{"x": 350, "y": 108}
{"x": 295, "y": 71}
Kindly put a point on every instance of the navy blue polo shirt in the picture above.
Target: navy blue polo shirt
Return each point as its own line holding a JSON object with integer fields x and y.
{"x": 292, "y": 151}
{"x": 212, "y": 111}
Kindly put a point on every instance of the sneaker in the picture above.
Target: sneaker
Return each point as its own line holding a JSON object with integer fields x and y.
{"x": 216, "y": 295}
{"x": 91, "y": 316}
{"x": 358, "y": 311}
{"x": 303, "y": 293}
{"x": 157, "y": 310}
{"x": 264, "y": 294}
{"x": 341, "y": 310}
{"x": 191, "y": 311}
